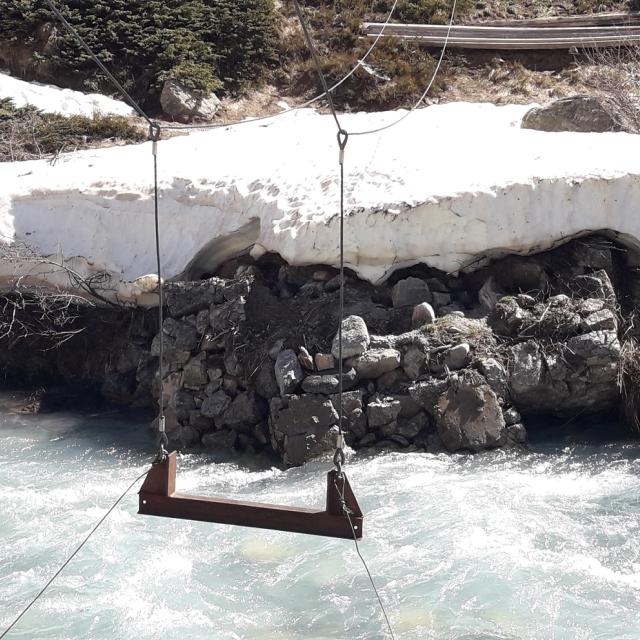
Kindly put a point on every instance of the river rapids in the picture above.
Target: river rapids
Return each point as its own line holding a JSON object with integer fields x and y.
{"x": 501, "y": 546}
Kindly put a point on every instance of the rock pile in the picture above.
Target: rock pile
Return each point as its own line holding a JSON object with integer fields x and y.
{"x": 429, "y": 363}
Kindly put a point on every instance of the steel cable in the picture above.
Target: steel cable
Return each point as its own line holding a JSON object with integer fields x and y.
{"x": 426, "y": 91}
{"x": 73, "y": 555}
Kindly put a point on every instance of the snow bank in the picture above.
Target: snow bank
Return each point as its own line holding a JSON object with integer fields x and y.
{"x": 452, "y": 184}
{"x": 52, "y": 99}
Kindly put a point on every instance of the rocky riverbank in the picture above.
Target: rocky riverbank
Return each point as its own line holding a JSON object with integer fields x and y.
{"x": 431, "y": 361}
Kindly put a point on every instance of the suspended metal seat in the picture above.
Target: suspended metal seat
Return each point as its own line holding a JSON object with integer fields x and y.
{"x": 341, "y": 518}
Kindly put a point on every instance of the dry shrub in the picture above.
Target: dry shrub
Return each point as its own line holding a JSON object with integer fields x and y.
{"x": 629, "y": 380}
{"x": 28, "y": 134}
{"x": 615, "y": 73}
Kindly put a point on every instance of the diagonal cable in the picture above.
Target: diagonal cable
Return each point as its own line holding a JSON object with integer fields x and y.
{"x": 316, "y": 62}
{"x": 73, "y": 555}
{"x": 304, "y": 105}
{"x": 426, "y": 91}
{"x": 125, "y": 94}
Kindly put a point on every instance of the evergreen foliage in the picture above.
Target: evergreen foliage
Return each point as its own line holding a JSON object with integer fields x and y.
{"x": 206, "y": 44}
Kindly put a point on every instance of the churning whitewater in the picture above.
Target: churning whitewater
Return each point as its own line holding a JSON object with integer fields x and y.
{"x": 503, "y": 546}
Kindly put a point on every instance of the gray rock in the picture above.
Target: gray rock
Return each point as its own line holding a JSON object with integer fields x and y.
{"x": 469, "y": 416}
{"x": 527, "y": 368}
{"x": 129, "y": 358}
{"x": 202, "y": 322}
{"x": 458, "y": 357}
{"x": 411, "y": 427}
{"x": 511, "y": 416}
{"x": 495, "y": 374}
{"x": 223, "y": 440}
{"x": 355, "y": 338}
{"x": 184, "y": 105}
{"x": 383, "y": 342}
{"x": 303, "y": 427}
{"x": 414, "y": 361}
{"x": 265, "y": 381}
{"x": 410, "y": 292}
{"x": 187, "y": 436}
{"x": 373, "y": 363}
{"x": 603, "y": 320}
{"x": 595, "y": 285}
{"x": 525, "y": 301}
{"x": 387, "y": 430}
{"x": 246, "y": 410}
{"x": 195, "y": 372}
{"x": 179, "y": 336}
{"x": 489, "y": 294}
{"x": 351, "y": 402}
{"x": 517, "y": 434}
{"x": 427, "y": 393}
{"x": 215, "y": 405}
{"x": 409, "y": 408}
{"x": 395, "y": 381}
{"x": 276, "y": 348}
{"x": 288, "y": 372}
{"x": 595, "y": 348}
{"x": 184, "y": 403}
{"x": 324, "y": 384}
{"x": 400, "y": 440}
{"x": 381, "y": 411}
{"x": 578, "y": 113}
{"x": 200, "y": 423}
{"x": 367, "y": 440}
{"x": 423, "y": 313}
{"x": 441, "y": 299}
{"x": 302, "y": 414}
{"x": 184, "y": 298}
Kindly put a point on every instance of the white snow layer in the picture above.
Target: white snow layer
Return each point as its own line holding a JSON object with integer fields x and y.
{"x": 451, "y": 184}
{"x": 52, "y": 99}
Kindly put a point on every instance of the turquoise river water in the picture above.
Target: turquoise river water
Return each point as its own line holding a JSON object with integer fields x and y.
{"x": 539, "y": 546}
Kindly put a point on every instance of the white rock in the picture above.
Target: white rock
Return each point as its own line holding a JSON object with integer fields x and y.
{"x": 185, "y": 105}
{"x": 458, "y": 356}
{"x": 355, "y": 338}
{"x": 422, "y": 314}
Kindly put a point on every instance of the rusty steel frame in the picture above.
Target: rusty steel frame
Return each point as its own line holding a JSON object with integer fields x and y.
{"x": 158, "y": 497}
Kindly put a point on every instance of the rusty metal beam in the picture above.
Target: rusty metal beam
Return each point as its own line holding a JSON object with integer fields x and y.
{"x": 157, "y": 497}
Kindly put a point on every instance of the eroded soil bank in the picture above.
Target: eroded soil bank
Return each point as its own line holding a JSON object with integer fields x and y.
{"x": 431, "y": 361}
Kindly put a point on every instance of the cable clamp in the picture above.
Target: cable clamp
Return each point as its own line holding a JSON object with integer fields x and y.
{"x": 343, "y": 137}
{"x": 339, "y": 460}
{"x": 161, "y": 424}
{"x": 154, "y": 135}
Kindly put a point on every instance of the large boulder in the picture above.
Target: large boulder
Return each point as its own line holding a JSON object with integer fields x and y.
{"x": 578, "y": 113}
{"x": 469, "y": 416}
{"x": 184, "y": 105}
{"x": 302, "y": 427}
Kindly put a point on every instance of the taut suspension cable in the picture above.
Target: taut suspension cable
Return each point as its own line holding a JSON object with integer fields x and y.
{"x": 163, "y": 441}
